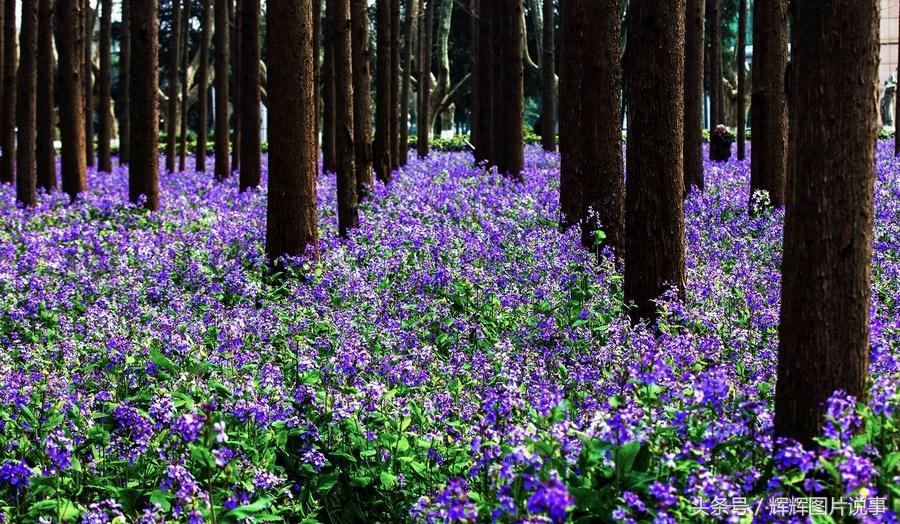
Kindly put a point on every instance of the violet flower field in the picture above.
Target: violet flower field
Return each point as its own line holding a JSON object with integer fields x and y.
{"x": 459, "y": 359}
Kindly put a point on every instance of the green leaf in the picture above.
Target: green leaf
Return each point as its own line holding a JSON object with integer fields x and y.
{"x": 249, "y": 510}
{"x": 162, "y": 361}
{"x": 388, "y": 480}
{"x": 203, "y": 455}
{"x": 626, "y": 455}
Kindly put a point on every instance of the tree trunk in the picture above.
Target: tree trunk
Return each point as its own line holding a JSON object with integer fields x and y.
{"x": 250, "y": 97}
{"x": 827, "y": 265}
{"x": 174, "y": 63}
{"x": 713, "y": 38}
{"x": 104, "y": 161}
{"x": 768, "y": 105}
{"x": 693, "y": 94}
{"x": 46, "y": 153}
{"x": 144, "y": 170}
{"x": 69, "y": 41}
{"x": 26, "y": 114}
{"x": 185, "y": 83}
{"x": 8, "y": 123}
{"x": 442, "y": 58}
{"x": 482, "y": 104}
{"x": 381, "y": 151}
{"x": 741, "y": 79}
{"x": 125, "y": 85}
{"x": 409, "y": 28}
{"x": 592, "y": 185}
{"x": 5, "y": 6}
{"x": 548, "y": 70}
{"x": 88, "y": 71}
{"x": 395, "y": 84}
{"x": 222, "y": 55}
{"x": 897, "y": 106}
{"x": 293, "y": 158}
{"x": 424, "y": 83}
{"x": 234, "y": 88}
{"x": 348, "y": 209}
{"x": 362, "y": 100}
{"x": 654, "y": 210}
{"x": 329, "y": 150}
{"x": 317, "y": 65}
{"x": 509, "y": 89}
{"x": 202, "y": 89}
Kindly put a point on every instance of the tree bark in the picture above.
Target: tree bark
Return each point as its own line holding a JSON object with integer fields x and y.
{"x": 143, "y": 173}
{"x": 548, "y": 70}
{"x": 348, "y": 208}
{"x": 317, "y": 65}
{"x": 424, "y": 82}
{"x": 395, "y": 85}
{"x": 46, "y": 153}
{"x": 381, "y": 151}
{"x": 250, "y": 97}
{"x": 5, "y": 6}
{"x": 222, "y": 55}
{"x": 234, "y": 88}
{"x": 482, "y": 104}
{"x": 362, "y": 99}
{"x": 592, "y": 184}
{"x": 741, "y": 79}
{"x": 293, "y": 158}
{"x": 693, "y": 94}
{"x": 713, "y": 36}
{"x": 104, "y": 161}
{"x": 768, "y": 105}
{"x": 88, "y": 72}
{"x": 69, "y": 41}
{"x": 441, "y": 57}
{"x": 824, "y": 330}
{"x": 509, "y": 89}
{"x": 185, "y": 38}
{"x": 654, "y": 210}
{"x": 202, "y": 89}
{"x": 125, "y": 85}
{"x": 26, "y": 114}
{"x": 172, "y": 107}
{"x": 329, "y": 130}
{"x": 409, "y": 28}
{"x": 8, "y": 123}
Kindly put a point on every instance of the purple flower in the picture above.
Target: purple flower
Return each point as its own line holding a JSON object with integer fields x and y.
{"x": 552, "y": 497}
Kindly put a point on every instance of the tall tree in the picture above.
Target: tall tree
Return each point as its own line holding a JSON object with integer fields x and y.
{"x": 291, "y": 226}
{"x": 250, "y": 95}
{"x": 424, "y": 82}
{"x": 548, "y": 71}
{"x": 234, "y": 15}
{"x": 104, "y": 108}
{"x": 714, "y": 58}
{"x": 46, "y": 153}
{"x": 143, "y": 174}
{"x": 768, "y": 106}
{"x": 409, "y": 27}
{"x": 482, "y": 64}
{"x": 317, "y": 64}
{"x": 827, "y": 265}
{"x": 4, "y": 7}
{"x": 741, "y": 81}
{"x": 125, "y": 84}
{"x": 395, "y": 84}
{"x": 362, "y": 99}
{"x": 694, "y": 93}
{"x": 26, "y": 114}
{"x": 203, "y": 88}
{"x": 348, "y": 209}
{"x": 509, "y": 88}
{"x": 185, "y": 82}
{"x": 329, "y": 154}
{"x": 654, "y": 209}
{"x": 172, "y": 107}
{"x": 221, "y": 89}
{"x": 88, "y": 71}
{"x": 69, "y": 41}
{"x": 592, "y": 185}
{"x": 8, "y": 117}
{"x": 382, "y": 145}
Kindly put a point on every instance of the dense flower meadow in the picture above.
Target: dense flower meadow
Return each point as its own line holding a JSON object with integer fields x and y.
{"x": 457, "y": 360}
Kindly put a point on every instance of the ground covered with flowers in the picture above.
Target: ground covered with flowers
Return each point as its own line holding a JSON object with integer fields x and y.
{"x": 457, "y": 360}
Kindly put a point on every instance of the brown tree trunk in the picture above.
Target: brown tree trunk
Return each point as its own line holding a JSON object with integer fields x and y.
{"x": 654, "y": 209}
{"x": 8, "y": 120}
{"x": 202, "y": 89}
{"x": 4, "y": 7}
{"x": 174, "y": 63}
{"x": 88, "y": 72}
{"x": 317, "y": 65}
{"x": 293, "y": 158}
{"x": 592, "y": 184}
{"x": 104, "y": 161}
{"x": 26, "y": 114}
{"x": 329, "y": 150}
{"x": 897, "y": 107}
{"x": 548, "y": 70}
{"x": 46, "y": 153}
{"x": 362, "y": 99}
{"x": 381, "y": 151}
{"x": 827, "y": 265}
{"x": 70, "y": 16}
{"x": 125, "y": 85}
{"x": 713, "y": 37}
{"x": 768, "y": 105}
{"x": 509, "y": 89}
{"x": 250, "y": 96}
{"x": 185, "y": 60}
{"x": 741, "y": 79}
{"x": 693, "y": 94}
{"x": 348, "y": 208}
{"x": 234, "y": 87}
{"x": 482, "y": 104}
{"x": 222, "y": 55}
{"x": 143, "y": 173}
{"x": 395, "y": 84}
{"x": 424, "y": 83}
{"x": 412, "y": 15}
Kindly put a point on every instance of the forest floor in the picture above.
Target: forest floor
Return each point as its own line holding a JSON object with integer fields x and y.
{"x": 457, "y": 359}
